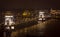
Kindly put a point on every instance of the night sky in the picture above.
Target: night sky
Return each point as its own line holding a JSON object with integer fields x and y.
{"x": 29, "y": 4}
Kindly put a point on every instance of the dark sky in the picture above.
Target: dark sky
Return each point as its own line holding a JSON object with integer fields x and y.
{"x": 29, "y": 4}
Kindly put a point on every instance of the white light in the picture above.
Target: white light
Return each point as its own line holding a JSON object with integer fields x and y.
{"x": 10, "y": 23}
{"x": 43, "y": 16}
{"x": 40, "y": 18}
{"x": 41, "y": 12}
{"x": 8, "y": 16}
{"x": 12, "y": 27}
{"x": 7, "y": 27}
